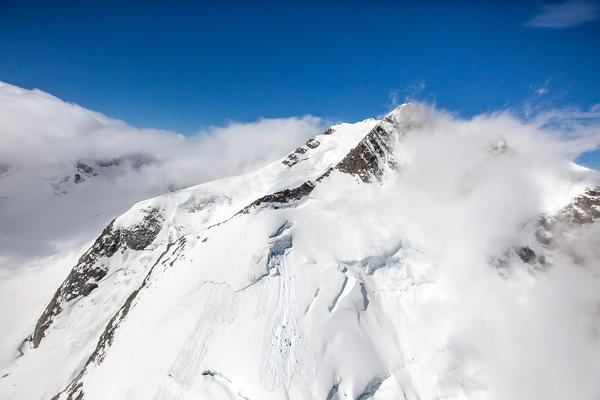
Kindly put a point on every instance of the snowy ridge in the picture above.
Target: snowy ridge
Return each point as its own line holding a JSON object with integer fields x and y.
{"x": 320, "y": 276}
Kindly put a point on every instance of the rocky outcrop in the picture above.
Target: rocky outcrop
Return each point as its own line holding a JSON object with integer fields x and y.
{"x": 291, "y": 160}
{"x": 140, "y": 235}
{"x": 584, "y": 209}
{"x": 554, "y": 231}
{"x": 374, "y": 153}
{"x": 281, "y": 198}
{"x": 75, "y": 389}
{"x": 367, "y": 160}
{"x": 93, "y": 266}
{"x": 313, "y": 143}
{"x": 84, "y": 278}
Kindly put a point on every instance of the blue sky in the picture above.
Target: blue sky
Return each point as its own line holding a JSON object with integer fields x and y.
{"x": 187, "y": 66}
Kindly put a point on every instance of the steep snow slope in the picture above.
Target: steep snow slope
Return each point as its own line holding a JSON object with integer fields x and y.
{"x": 355, "y": 267}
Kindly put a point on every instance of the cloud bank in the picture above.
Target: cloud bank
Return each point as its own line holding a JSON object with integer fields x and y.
{"x": 464, "y": 195}
{"x": 470, "y": 186}
{"x": 66, "y": 171}
{"x": 564, "y": 15}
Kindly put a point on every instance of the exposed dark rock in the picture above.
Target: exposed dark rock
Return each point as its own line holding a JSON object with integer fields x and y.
{"x": 85, "y": 169}
{"x": 75, "y": 388}
{"x": 108, "y": 163}
{"x": 313, "y": 143}
{"x": 279, "y": 199}
{"x": 325, "y": 175}
{"x": 557, "y": 231}
{"x": 368, "y": 158}
{"x": 526, "y": 254}
{"x": 82, "y": 279}
{"x": 291, "y": 160}
{"x": 140, "y": 235}
{"x": 584, "y": 209}
{"x": 106, "y": 338}
{"x": 329, "y": 131}
{"x": 300, "y": 150}
{"x": 78, "y": 179}
{"x": 93, "y": 265}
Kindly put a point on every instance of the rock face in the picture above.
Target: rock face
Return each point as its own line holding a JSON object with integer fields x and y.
{"x": 75, "y": 389}
{"x": 84, "y": 278}
{"x": 283, "y": 197}
{"x": 93, "y": 265}
{"x": 585, "y": 209}
{"x": 555, "y": 231}
{"x": 291, "y": 160}
{"x": 90, "y": 169}
{"x": 313, "y": 143}
{"x": 369, "y": 159}
{"x": 140, "y": 235}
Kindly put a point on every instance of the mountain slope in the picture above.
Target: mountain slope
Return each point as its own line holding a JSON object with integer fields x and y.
{"x": 355, "y": 267}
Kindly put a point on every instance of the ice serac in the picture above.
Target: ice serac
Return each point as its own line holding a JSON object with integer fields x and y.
{"x": 296, "y": 282}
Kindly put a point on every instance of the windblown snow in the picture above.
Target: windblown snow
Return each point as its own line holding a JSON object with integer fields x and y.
{"x": 419, "y": 256}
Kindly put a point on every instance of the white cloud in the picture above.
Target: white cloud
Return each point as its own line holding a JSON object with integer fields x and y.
{"x": 545, "y": 88}
{"x": 461, "y": 196}
{"x": 564, "y": 15}
{"x": 43, "y": 138}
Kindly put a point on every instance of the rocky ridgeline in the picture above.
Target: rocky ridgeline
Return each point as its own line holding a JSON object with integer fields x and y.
{"x": 553, "y": 231}
{"x": 367, "y": 161}
{"x": 93, "y": 266}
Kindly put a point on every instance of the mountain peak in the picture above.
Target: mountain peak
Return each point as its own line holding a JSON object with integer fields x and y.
{"x": 298, "y": 281}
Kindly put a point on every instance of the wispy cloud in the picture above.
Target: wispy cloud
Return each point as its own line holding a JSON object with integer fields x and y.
{"x": 541, "y": 88}
{"x": 544, "y": 88}
{"x": 412, "y": 93}
{"x": 564, "y": 15}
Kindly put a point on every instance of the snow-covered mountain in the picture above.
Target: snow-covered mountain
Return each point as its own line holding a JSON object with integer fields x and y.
{"x": 404, "y": 258}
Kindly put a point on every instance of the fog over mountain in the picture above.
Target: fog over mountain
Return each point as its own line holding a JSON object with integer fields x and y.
{"x": 66, "y": 171}
{"x": 415, "y": 255}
